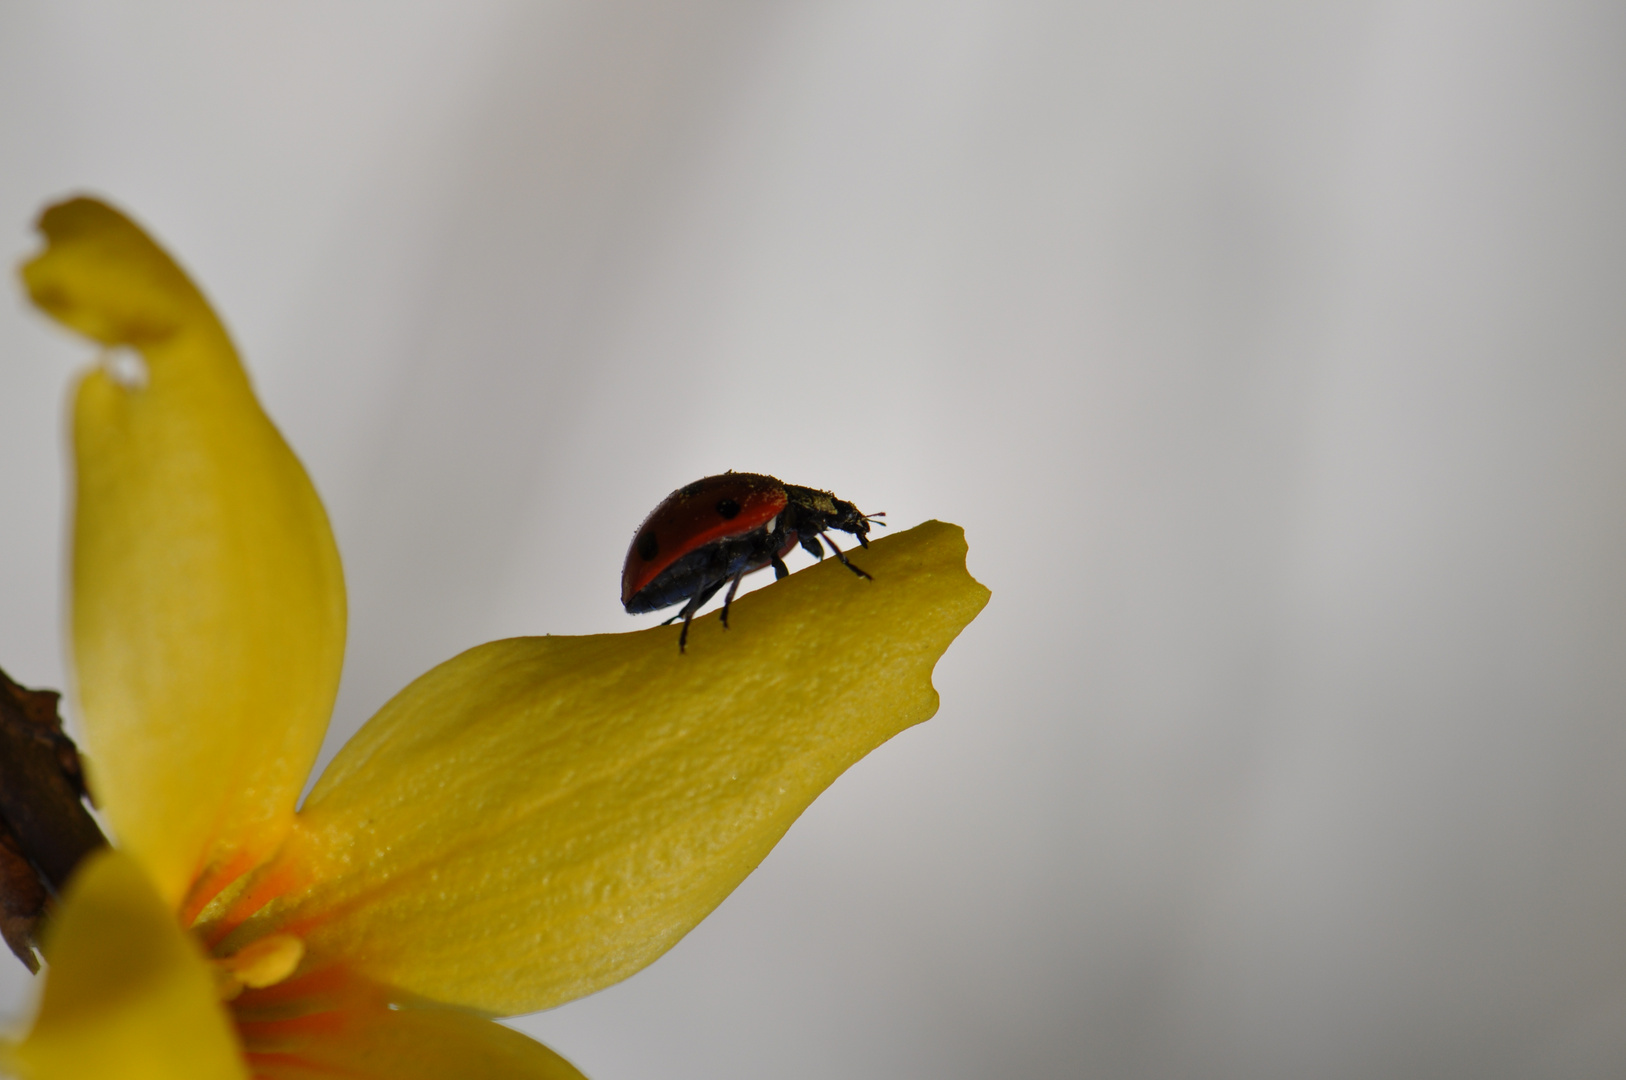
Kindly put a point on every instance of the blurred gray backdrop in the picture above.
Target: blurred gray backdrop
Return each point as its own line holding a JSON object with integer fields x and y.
{"x": 1270, "y": 353}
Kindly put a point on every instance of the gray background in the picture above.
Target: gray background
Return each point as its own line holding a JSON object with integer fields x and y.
{"x": 1270, "y": 353}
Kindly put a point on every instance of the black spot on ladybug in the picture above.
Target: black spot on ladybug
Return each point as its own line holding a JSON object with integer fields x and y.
{"x": 728, "y": 509}
{"x": 647, "y": 545}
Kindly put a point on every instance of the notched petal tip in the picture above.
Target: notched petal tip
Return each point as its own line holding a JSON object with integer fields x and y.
{"x": 103, "y": 277}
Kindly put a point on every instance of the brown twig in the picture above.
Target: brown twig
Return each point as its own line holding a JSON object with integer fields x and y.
{"x": 44, "y": 827}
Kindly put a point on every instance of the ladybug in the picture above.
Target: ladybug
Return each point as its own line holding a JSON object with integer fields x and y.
{"x": 714, "y": 531}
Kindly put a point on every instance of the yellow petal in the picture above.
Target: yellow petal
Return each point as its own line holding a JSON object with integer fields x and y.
{"x": 541, "y": 817}
{"x": 380, "y": 1043}
{"x": 128, "y": 995}
{"x": 208, "y": 605}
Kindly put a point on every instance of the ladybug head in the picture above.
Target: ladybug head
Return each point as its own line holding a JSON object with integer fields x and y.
{"x": 848, "y": 518}
{"x": 814, "y": 511}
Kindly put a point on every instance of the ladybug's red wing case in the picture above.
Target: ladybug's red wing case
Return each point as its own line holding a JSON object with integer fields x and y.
{"x": 693, "y": 516}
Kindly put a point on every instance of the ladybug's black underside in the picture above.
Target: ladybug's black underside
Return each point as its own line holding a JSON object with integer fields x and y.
{"x": 697, "y": 576}
{"x": 705, "y": 570}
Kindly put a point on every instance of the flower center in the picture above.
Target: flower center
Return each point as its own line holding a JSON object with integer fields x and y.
{"x": 261, "y": 963}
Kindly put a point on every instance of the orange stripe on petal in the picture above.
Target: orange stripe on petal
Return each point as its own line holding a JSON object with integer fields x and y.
{"x": 212, "y": 883}
{"x": 281, "y": 878}
{"x": 266, "y": 1035}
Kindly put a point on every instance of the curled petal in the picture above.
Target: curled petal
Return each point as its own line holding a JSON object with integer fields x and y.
{"x": 208, "y": 604}
{"x": 541, "y": 817}
{"x": 128, "y": 995}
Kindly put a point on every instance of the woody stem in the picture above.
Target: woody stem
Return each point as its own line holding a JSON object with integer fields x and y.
{"x": 45, "y": 829}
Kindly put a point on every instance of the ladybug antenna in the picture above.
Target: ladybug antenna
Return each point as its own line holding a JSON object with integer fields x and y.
{"x": 875, "y": 518}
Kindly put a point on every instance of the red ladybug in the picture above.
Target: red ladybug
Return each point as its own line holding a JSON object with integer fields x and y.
{"x": 714, "y": 531}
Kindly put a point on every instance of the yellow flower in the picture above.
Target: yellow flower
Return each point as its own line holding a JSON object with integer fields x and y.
{"x": 528, "y": 822}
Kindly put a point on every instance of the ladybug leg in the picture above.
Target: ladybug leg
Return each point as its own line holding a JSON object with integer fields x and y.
{"x": 780, "y": 572}
{"x": 688, "y": 617}
{"x": 728, "y": 597}
{"x": 843, "y": 558}
{"x": 810, "y": 544}
{"x": 694, "y": 605}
